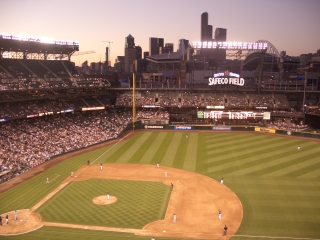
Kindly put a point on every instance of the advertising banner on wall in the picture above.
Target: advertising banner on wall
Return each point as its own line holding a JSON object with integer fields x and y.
{"x": 178, "y": 127}
{"x": 153, "y": 127}
{"x": 222, "y": 128}
{"x": 269, "y": 130}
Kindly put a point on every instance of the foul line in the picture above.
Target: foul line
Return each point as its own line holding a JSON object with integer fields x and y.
{"x": 54, "y": 178}
{"x": 104, "y": 153}
{"x": 46, "y": 198}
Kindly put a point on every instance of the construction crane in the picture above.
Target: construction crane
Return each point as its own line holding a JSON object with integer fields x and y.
{"x": 108, "y": 49}
{"x": 81, "y": 53}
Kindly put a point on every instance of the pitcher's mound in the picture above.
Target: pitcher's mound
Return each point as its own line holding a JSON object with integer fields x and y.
{"x": 103, "y": 200}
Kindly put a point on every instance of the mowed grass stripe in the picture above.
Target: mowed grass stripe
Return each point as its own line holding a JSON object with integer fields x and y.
{"x": 181, "y": 151}
{"x": 144, "y": 147}
{"x": 160, "y": 153}
{"x": 239, "y": 156}
{"x": 296, "y": 168}
{"x": 291, "y": 158}
{"x": 172, "y": 149}
{"x": 218, "y": 137}
{"x": 249, "y": 146}
{"x": 138, "y": 203}
{"x": 235, "y": 150}
{"x": 285, "y": 154}
{"x": 201, "y": 166}
{"x": 132, "y": 147}
{"x": 152, "y": 148}
{"x": 314, "y": 173}
{"x": 222, "y": 146}
{"x": 190, "y": 160}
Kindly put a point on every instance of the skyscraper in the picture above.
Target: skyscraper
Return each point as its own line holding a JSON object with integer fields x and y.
{"x": 130, "y": 53}
{"x": 204, "y": 26}
{"x": 220, "y": 35}
{"x": 129, "y": 43}
{"x": 154, "y": 44}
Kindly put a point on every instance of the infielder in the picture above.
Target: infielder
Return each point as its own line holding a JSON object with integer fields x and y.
{"x": 221, "y": 181}
{"x": 165, "y": 174}
{"x": 108, "y": 195}
{"x": 174, "y": 218}
{"x": 225, "y": 229}
{"x": 47, "y": 181}
{"x": 15, "y": 215}
{"x": 219, "y": 214}
{"x": 158, "y": 165}
{"x": 100, "y": 166}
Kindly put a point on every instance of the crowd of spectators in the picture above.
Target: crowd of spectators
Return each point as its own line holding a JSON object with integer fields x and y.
{"x": 22, "y": 141}
{"x": 191, "y": 99}
{"x": 151, "y": 114}
{"x": 288, "y": 124}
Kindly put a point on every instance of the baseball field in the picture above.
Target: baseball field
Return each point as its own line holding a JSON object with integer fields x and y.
{"x": 271, "y": 189}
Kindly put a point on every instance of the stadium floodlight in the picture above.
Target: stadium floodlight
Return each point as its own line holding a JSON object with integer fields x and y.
{"x": 36, "y": 39}
{"x": 230, "y": 45}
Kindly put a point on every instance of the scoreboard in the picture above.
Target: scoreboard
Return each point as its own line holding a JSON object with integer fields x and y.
{"x": 234, "y": 115}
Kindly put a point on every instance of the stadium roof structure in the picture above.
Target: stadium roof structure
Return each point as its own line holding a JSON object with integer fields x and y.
{"x": 34, "y": 48}
{"x": 165, "y": 57}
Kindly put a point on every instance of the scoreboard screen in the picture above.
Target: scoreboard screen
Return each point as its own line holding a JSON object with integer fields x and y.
{"x": 234, "y": 115}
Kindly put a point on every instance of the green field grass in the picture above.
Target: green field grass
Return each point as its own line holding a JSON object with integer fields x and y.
{"x": 139, "y": 203}
{"x": 278, "y": 185}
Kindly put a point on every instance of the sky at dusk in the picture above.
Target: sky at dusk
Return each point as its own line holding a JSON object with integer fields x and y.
{"x": 290, "y": 25}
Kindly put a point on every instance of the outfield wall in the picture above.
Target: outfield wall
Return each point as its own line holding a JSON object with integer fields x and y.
{"x": 139, "y": 125}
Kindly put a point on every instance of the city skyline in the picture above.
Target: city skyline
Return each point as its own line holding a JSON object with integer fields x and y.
{"x": 290, "y": 25}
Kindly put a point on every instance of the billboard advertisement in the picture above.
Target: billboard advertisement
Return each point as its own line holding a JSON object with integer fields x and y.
{"x": 178, "y": 127}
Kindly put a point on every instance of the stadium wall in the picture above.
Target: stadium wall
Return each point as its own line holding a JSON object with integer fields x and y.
{"x": 139, "y": 125}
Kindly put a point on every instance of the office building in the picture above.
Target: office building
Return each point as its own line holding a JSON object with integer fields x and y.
{"x": 130, "y": 54}
{"x": 154, "y": 45}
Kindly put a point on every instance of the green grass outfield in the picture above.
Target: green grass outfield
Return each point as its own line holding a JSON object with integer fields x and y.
{"x": 278, "y": 185}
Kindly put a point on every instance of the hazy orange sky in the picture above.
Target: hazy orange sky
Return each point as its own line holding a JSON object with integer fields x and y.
{"x": 290, "y": 25}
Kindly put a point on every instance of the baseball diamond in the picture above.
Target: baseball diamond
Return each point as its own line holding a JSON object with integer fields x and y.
{"x": 267, "y": 185}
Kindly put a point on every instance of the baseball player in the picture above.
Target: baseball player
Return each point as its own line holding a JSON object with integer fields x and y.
{"x": 15, "y": 215}
{"x": 221, "y": 181}
{"x": 108, "y": 195}
{"x": 7, "y": 219}
{"x": 0, "y": 220}
{"x": 47, "y": 181}
{"x": 174, "y": 218}
{"x": 100, "y": 166}
{"x": 158, "y": 165}
{"x": 298, "y": 147}
{"x": 225, "y": 229}
{"x": 219, "y": 214}
{"x": 165, "y": 174}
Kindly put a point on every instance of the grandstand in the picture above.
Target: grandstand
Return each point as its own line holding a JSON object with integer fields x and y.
{"x": 44, "y": 99}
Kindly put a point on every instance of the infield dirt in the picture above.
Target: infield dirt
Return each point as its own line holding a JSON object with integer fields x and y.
{"x": 195, "y": 199}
